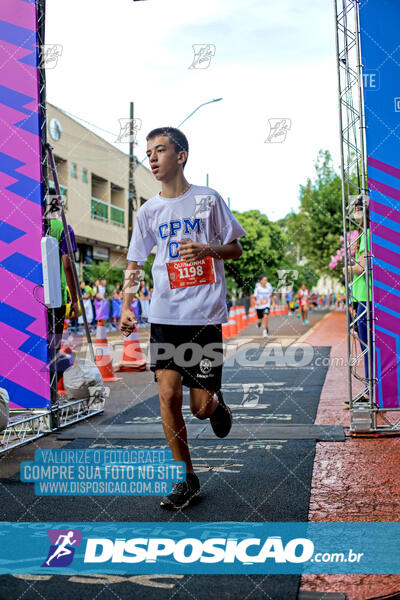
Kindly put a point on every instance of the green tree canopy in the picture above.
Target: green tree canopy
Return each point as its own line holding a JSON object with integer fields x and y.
{"x": 264, "y": 252}
{"x": 317, "y": 227}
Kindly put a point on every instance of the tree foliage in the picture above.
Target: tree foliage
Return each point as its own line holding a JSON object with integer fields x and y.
{"x": 317, "y": 227}
{"x": 264, "y": 252}
{"x": 103, "y": 270}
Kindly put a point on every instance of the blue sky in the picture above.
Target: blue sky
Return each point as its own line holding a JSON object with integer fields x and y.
{"x": 273, "y": 60}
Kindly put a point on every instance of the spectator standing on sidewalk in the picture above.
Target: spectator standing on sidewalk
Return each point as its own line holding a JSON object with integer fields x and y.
{"x": 101, "y": 301}
{"x": 144, "y": 298}
{"x": 56, "y": 316}
{"x": 87, "y": 296}
{"x": 116, "y": 304}
{"x": 359, "y": 294}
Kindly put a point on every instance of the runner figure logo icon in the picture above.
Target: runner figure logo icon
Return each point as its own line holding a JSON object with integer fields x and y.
{"x": 205, "y": 366}
{"x": 61, "y": 551}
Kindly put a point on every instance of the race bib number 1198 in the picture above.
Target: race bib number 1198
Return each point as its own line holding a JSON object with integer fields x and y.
{"x": 185, "y": 274}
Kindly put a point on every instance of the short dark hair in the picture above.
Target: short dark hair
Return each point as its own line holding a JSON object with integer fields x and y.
{"x": 175, "y": 136}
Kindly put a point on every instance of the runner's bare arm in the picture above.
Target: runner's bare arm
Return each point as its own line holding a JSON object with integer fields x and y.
{"x": 129, "y": 289}
{"x": 192, "y": 251}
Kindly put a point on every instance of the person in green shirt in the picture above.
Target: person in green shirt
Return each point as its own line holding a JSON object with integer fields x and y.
{"x": 359, "y": 292}
{"x": 56, "y": 316}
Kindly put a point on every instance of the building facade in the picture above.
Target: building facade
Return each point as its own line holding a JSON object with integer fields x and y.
{"x": 93, "y": 176}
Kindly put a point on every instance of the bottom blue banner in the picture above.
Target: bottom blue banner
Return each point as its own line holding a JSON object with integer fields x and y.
{"x": 198, "y": 548}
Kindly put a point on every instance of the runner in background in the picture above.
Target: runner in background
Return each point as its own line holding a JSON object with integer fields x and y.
{"x": 262, "y": 297}
{"x": 314, "y": 300}
{"x": 303, "y": 295}
{"x": 288, "y": 299}
{"x": 194, "y": 232}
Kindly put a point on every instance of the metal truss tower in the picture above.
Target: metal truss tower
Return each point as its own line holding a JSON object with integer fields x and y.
{"x": 365, "y": 415}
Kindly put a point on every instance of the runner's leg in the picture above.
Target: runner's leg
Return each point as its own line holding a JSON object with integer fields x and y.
{"x": 171, "y": 396}
{"x": 202, "y": 402}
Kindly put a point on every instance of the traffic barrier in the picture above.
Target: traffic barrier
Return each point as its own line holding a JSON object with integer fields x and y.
{"x": 132, "y": 357}
{"x": 102, "y": 353}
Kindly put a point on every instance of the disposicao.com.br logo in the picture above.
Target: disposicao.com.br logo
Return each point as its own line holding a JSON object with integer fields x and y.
{"x": 195, "y": 551}
{"x": 191, "y": 550}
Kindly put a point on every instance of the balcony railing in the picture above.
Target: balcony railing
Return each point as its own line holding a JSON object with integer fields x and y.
{"x": 117, "y": 216}
{"x": 99, "y": 209}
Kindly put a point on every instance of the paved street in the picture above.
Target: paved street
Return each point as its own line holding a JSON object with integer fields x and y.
{"x": 286, "y": 459}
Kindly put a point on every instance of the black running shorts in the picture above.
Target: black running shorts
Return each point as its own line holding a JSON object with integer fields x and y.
{"x": 195, "y": 351}
{"x": 262, "y": 311}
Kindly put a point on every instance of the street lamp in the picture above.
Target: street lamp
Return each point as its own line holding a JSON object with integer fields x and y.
{"x": 196, "y": 109}
{"x": 188, "y": 117}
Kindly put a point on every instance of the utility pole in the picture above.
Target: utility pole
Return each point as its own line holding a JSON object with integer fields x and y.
{"x": 132, "y": 190}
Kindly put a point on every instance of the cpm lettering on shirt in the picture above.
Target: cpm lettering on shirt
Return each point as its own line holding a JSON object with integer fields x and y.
{"x": 185, "y": 226}
{"x": 170, "y": 229}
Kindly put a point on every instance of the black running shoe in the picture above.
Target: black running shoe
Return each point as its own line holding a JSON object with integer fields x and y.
{"x": 259, "y": 324}
{"x": 183, "y": 493}
{"x": 221, "y": 419}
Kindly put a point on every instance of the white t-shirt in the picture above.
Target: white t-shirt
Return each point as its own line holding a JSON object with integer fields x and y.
{"x": 262, "y": 295}
{"x": 199, "y": 215}
{"x": 303, "y": 296}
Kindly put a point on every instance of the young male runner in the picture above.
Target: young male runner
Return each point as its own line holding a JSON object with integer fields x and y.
{"x": 262, "y": 295}
{"x": 194, "y": 232}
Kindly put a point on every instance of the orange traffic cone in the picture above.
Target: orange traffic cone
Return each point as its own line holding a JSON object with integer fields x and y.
{"x": 243, "y": 317}
{"x": 132, "y": 358}
{"x": 226, "y": 331}
{"x": 237, "y": 319}
{"x": 232, "y": 322}
{"x": 102, "y": 353}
